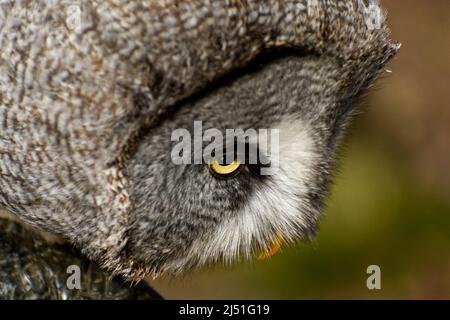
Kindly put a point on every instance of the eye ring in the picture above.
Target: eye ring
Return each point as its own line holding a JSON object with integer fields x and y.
{"x": 225, "y": 171}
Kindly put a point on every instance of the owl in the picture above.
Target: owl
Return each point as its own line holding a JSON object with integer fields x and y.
{"x": 93, "y": 92}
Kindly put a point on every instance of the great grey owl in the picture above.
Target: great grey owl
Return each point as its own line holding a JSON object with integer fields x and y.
{"x": 91, "y": 92}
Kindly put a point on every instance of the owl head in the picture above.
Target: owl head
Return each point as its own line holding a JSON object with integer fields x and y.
{"x": 140, "y": 171}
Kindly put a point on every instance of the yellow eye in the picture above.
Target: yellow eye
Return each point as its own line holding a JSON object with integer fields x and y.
{"x": 226, "y": 170}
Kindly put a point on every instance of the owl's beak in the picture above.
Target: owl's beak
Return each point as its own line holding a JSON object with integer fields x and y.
{"x": 273, "y": 248}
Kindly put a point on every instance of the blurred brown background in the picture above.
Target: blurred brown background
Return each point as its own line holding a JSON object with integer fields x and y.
{"x": 391, "y": 202}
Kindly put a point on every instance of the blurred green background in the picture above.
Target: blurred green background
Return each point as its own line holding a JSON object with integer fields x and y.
{"x": 390, "y": 205}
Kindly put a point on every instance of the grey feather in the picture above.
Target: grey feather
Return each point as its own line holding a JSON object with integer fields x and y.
{"x": 86, "y": 115}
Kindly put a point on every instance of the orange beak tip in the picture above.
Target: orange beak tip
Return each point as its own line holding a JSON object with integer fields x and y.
{"x": 272, "y": 250}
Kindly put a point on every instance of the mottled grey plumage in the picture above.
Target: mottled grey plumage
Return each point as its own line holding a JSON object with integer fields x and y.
{"x": 31, "y": 268}
{"x": 86, "y": 115}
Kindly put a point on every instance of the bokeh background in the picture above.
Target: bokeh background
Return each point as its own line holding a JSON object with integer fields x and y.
{"x": 391, "y": 202}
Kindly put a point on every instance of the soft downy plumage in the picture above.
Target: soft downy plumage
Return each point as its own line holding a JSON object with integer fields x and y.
{"x": 87, "y": 105}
